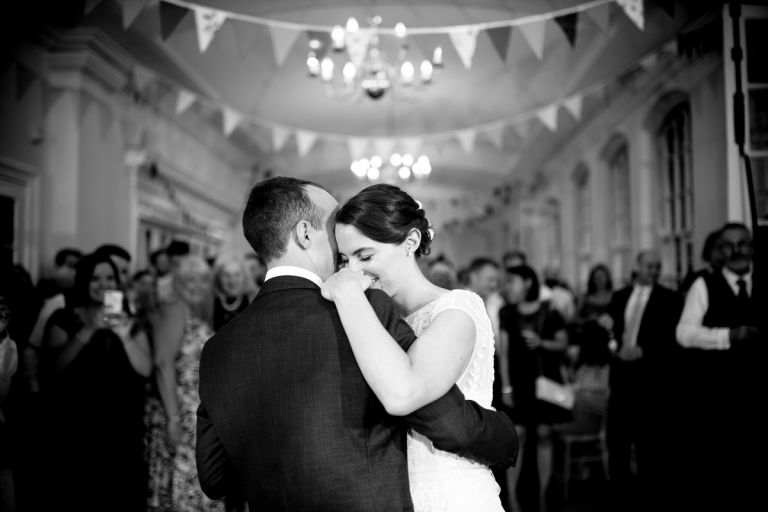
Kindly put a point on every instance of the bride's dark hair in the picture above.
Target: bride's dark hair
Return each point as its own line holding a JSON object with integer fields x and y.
{"x": 386, "y": 214}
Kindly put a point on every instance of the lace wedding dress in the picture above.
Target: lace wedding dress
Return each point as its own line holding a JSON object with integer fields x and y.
{"x": 441, "y": 481}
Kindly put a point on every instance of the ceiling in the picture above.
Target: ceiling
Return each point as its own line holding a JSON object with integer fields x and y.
{"x": 239, "y": 70}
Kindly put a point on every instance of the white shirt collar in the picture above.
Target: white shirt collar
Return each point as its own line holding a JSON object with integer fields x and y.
{"x": 289, "y": 270}
{"x": 733, "y": 278}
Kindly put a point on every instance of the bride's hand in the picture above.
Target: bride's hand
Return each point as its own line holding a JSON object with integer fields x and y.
{"x": 345, "y": 281}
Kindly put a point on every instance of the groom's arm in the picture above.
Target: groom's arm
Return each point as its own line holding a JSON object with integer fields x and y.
{"x": 214, "y": 469}
{"x": 452, "y": 423}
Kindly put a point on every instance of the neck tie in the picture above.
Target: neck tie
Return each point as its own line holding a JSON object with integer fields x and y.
{"x": 742, "y": 297}
{"x": 635, "y": 316}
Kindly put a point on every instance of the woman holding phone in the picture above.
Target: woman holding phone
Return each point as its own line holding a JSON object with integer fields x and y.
{"x": 98, "y": 361}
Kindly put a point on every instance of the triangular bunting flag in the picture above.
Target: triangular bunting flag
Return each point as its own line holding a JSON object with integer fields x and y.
{"x": 649, "y": 61}
{"x": 231, "y": 118}
{"x": 280, "y": 135}
{"x": 323, "y": 39}
{"x": 90, "y": 5}
{"x": 568, "y": 24}
{"x": 207, "y": 21}
{"x": 534, "y": 36}
{"x": 411, "y": 145}
{"x": 305, "y": 141}
{"x": 522, "y": 128}
{"x": 170, "y": 17}
{"x": 357, "y": 46}
{"x": 357, "y": 147}
{"x": 141, "y": 78}
{"x": 384, "y": 147}
{"x": 634, "y": 11}
{"x": 24, "y": 80}
{"x": 467, "y": 140}
{"x": 548, "y": 116}
{"x": 282, "y": 42}
{"x": 496, "y": 134}
{"x": 600, "y": 15}
{"x": 246, "y": 34}
{"x": 573, "y": 105}
{"x": 131, "y": 10}
{"x": 183, "y": 101}
{"x": 668, "y": 6}
{"x": 465, "y": 42}
{"x": 500, "y": 39}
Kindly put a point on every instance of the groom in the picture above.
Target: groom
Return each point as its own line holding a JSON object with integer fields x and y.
{"x": 285, "y": 416}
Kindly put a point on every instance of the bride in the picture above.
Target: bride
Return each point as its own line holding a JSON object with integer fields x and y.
{"x": 381, "y": 232}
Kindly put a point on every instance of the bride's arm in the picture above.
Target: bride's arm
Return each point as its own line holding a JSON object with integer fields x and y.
{"x": 402, "y": 381}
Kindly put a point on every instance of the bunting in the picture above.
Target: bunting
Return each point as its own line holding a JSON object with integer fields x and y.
{"x": 533, "y": 33}
{"x": 170, "y": 17}
{"x": 500, "y": 39}
{"x": 568, "y": 24}
{"x": 131, "y": 10}
{"x": 245, "y": 36}
{"x": 207, "y": 22}
{"x": 467, "y": 140}
{"x": 573, "y": 105}
{"x": 465, "y": 42}
{"x": 183, "y": 101}
{"x": 496, "y": 136}
{"x": 634, "y": 11}
{"x": 230, "y": 119}
{"x": 282, "y": 42}
{"x": 357, "y": 46}
{"x": 280, "y": 135}
{"x": 304, "y": 141}
{"x": 601, "y": 16}
{"x": 548, "y": 117}
{"x": 358, "y": 147}
{"x": 90, "y": 5}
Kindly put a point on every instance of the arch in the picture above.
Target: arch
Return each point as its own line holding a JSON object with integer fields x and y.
{"x": 615, "y": 156}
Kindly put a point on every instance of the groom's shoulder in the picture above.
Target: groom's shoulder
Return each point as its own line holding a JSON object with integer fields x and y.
{"x": 380, "y": 301}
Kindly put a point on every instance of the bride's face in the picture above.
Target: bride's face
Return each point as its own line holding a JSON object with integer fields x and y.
{"x": 383, "y": 262}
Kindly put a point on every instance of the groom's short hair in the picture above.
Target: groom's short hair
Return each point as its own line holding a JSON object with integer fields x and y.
{"x": 274, "y": 207}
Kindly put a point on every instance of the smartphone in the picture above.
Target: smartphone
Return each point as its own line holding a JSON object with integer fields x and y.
{"x": 113, "y": 303}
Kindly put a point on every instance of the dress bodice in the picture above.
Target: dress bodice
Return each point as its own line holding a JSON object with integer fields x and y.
{"x": 442, "y": 481}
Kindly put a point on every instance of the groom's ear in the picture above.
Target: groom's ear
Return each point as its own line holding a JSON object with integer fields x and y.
{"x": 303, "y": 234}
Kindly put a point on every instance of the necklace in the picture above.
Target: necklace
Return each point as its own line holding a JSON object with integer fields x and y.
{"x": 230, "y": 307}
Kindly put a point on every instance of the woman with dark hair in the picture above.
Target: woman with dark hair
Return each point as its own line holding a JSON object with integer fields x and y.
{"x": 98, "y": 362}
{"x": 593, "y": 319}
{"x": 537, "y": 339}
{"x": 381, "y": 234}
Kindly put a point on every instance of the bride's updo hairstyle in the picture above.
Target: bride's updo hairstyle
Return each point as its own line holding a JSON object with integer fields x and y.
{"x": 386, "y": 214}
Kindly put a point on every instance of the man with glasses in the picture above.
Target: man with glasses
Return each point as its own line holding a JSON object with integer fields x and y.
{"x": 721, "y": 389}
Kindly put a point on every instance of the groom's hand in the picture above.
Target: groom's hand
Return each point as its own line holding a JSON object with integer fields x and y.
{"x": 345, "y": 281}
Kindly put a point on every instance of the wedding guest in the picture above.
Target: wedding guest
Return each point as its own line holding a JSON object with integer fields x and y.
{"x": 98, "y": 362}
{"x": 233, "y": 289}
{"x": 181, "y": 327}
{"x": 257, "y": 268}
{"x": 722, "y": 332}
{"x": 637, "y": 430}
{"x": 537, "y": 339}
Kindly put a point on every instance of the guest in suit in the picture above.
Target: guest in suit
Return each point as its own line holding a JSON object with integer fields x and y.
{"x": 644, "y": 318}
{"x": 724, "y": 337}
{"x": 285, "y": 414}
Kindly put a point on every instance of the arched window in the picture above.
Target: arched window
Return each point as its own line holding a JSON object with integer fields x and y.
{"x": 582, "y": 223}
{"x": 673, "y": 146}
{"x": 619, "y": 211}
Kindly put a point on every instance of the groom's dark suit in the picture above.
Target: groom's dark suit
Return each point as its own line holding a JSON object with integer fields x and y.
{"x": 287, "y": 418}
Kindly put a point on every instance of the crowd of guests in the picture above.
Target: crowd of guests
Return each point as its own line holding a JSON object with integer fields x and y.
{"x": 667, "y": 378}
{"x": 99, "y": 377}
{"x": 98, "y": 403}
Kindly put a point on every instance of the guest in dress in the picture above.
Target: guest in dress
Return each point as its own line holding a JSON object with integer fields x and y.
{"x": 97, "y": 368}
{"x": 234, "y": 289}
{"x": 181, "y": 327}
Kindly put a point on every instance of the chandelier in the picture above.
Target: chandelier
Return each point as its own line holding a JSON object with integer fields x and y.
{"x": 399, "y": 167}
{"x": 369, "y": 70}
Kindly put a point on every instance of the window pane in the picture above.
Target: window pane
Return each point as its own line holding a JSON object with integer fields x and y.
{"x": 757, "y": 41}
{"x": 758, "y": 119}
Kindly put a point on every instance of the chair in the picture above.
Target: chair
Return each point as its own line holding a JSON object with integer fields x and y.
{"x": 579, "y": 451}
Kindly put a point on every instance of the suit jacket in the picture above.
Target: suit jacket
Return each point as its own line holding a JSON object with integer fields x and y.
{"x": 656, "y": 336}
{"x": 287, "y": 418}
